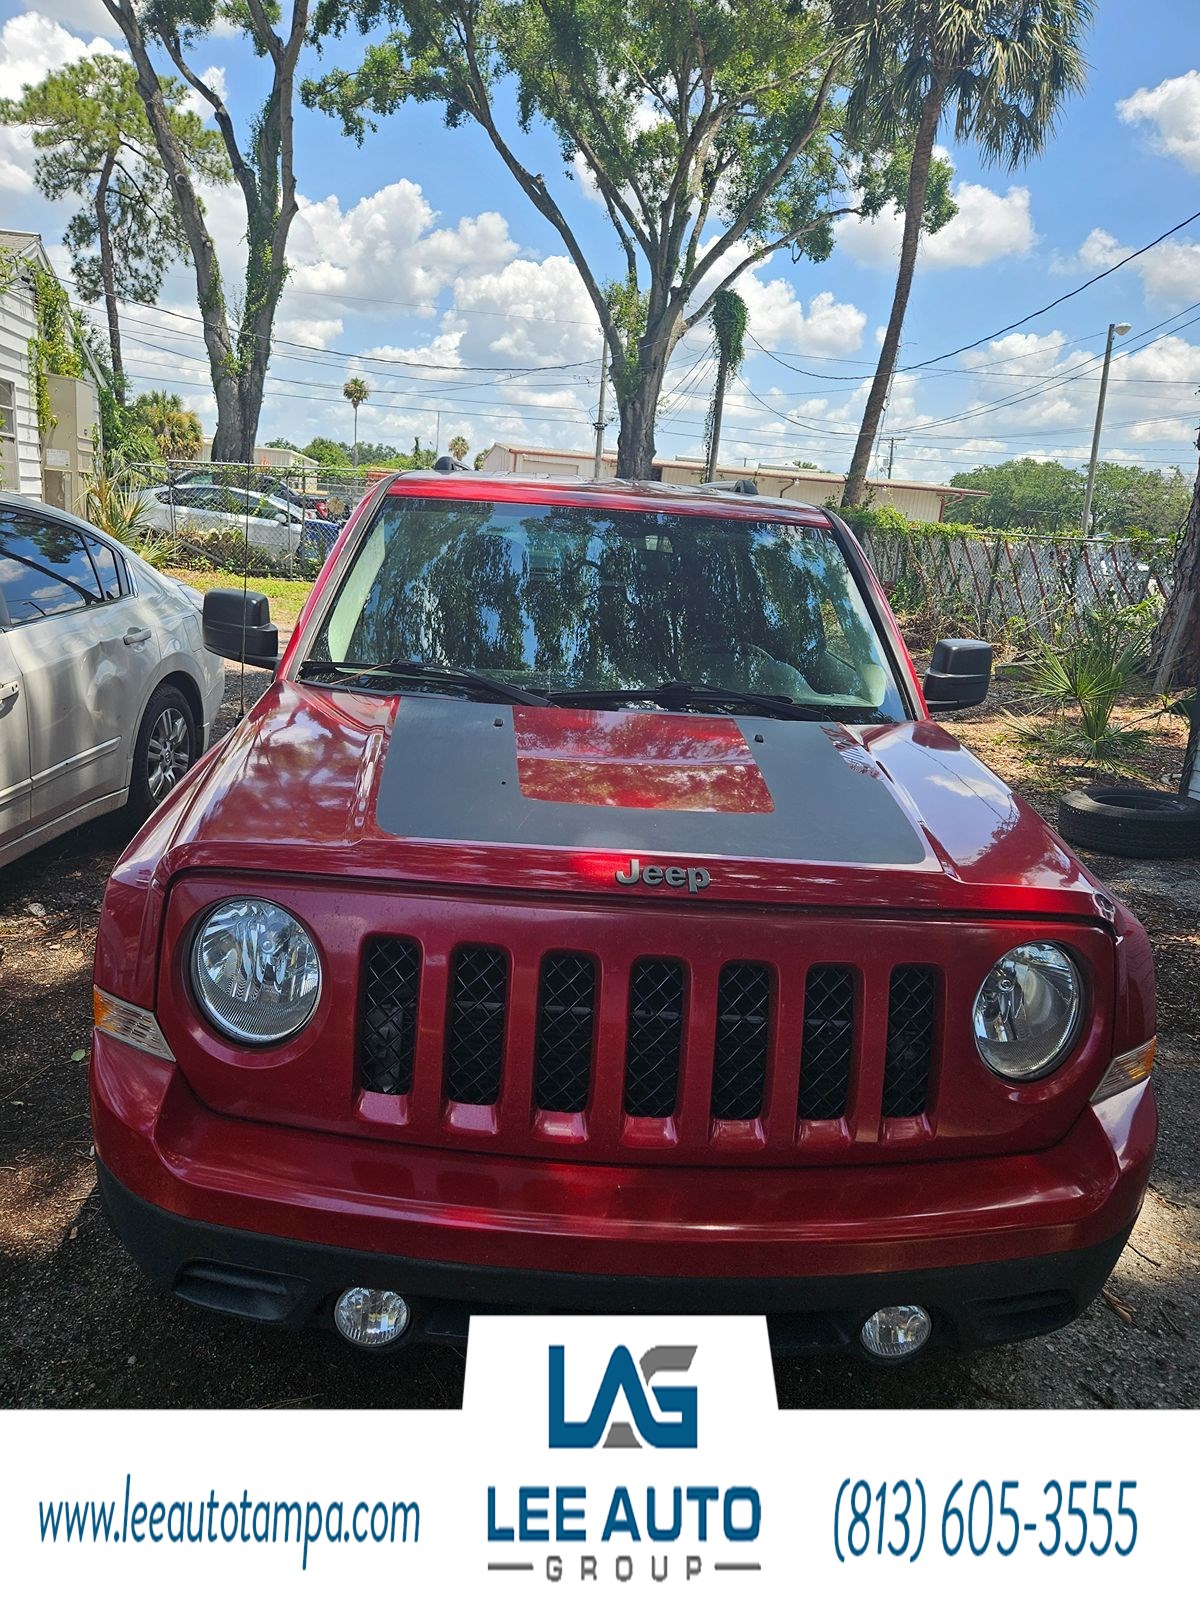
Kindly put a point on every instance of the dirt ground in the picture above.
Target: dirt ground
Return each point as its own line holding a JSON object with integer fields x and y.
{"x": 80, "y": 1327}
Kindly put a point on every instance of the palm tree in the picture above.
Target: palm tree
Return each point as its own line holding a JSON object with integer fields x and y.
{"x": 1003, "y": 67}
{"x": 459, "y": 447}
{"x": 174, "y": 427}
{"x": 356, "y": 391}
{"x": 728, "y": 317}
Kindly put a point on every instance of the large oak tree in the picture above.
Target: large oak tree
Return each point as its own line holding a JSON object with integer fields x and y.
{"x": 712, "y": 133}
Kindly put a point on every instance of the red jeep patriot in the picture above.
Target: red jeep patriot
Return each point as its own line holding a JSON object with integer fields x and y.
{"x": 591, "y": 917}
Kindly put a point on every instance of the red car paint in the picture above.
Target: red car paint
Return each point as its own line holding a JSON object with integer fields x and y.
{"x": 284, "y": 1142}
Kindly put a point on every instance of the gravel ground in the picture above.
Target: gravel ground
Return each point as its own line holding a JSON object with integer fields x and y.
{"x": 79, "y": 1326}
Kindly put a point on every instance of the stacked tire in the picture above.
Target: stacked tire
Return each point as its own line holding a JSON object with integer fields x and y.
{"x": 1128, "y": 820}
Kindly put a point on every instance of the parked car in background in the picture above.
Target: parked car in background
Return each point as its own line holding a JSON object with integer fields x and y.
{"x": 266, "y": 522}
{"x": 309, "y": 505}
{"x": 107, "y": 694}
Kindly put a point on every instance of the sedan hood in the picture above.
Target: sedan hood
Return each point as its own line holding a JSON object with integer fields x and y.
{"x": 425, "y": 788}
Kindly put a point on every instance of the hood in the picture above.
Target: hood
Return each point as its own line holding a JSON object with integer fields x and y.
{"x": 432, "y": 789}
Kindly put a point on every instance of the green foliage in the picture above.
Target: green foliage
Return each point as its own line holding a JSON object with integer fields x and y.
{"x": 327, "y": 452}
{"x": 112, "y": 500}
{"x": 55, "y": 348}
{"x": 1131, "y": 502}
{"x": 356, "y": 391}
{"x": 1005, "y": 67}
{"x": 1088, "y": 677}
{"x": 712, "y": 132}
{"x": 459, "y": 447}
{"x": 1046, "y": 497}
{"x": 1043, "y": 496}
{"x": 94, "y": 143}
{"x": 174, "y": 427}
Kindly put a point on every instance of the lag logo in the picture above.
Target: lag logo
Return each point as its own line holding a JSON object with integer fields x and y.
{"x": 672, "y": 1428}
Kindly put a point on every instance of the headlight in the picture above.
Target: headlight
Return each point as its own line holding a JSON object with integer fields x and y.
{"x": 1027, "y": 1011}
{"x": 255, "y": 971}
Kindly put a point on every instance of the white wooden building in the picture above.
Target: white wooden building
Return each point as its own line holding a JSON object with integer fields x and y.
{"x": 922, "y": 502}
{"x": 51, "y": 468}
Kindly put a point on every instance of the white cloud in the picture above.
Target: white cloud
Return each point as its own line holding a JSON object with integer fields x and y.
{"x": 385, "y": 247}
{"x": 1173, "y": 112}
{"x": 988, "y": 227}
{"x": 85, "y": 16}
{"x": 31, "y": 45}
{"x": 776, "y": 317}
{"x": 1169, "y": 272}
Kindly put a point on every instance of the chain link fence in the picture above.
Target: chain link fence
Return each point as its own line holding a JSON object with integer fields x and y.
{"x": 273, "y": 522}
{"x": 1008, "y": 586}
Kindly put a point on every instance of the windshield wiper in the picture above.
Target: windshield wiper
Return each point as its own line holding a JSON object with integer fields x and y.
{"x": 674, "y": 694}
{"x": 353, "y": 672}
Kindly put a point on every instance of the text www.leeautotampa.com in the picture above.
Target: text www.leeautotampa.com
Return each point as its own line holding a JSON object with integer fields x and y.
{"x": 216, "y": 1520}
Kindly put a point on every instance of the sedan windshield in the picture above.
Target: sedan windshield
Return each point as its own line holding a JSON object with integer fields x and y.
{"x": 570, "y": 601}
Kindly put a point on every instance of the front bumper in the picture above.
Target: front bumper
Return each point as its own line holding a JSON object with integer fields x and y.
{"x": 272, "y": 1222}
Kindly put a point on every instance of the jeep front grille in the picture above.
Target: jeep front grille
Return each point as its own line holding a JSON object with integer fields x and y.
{"x": 657, "y": 1043}
{"x": 566, "y": 1029}
{"x": 655, "y": 1038}
{"x": 912, "y": 1002}
{"x": 475, "y": 1037}
{"x": 388, "y": 1027}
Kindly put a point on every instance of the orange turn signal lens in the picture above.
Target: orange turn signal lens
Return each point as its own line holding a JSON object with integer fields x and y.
{"x": 134, "y": 1025}
{"x": 1135, "y": 1066}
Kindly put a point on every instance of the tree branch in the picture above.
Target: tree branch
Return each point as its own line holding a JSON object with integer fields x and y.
{"x": 754, "y": 204}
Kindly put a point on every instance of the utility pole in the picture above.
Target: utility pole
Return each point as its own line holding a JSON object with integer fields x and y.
{"x": 599, "y": 424}
{"x": 891, "y": 454}
{"x": 1113, "y": 328}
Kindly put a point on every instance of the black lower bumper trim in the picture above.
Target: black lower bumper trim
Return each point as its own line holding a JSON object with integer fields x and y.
{"x": 292, "y": 1284}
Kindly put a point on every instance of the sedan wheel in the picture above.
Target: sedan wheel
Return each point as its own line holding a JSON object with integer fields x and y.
{"x": 168, "y": 753}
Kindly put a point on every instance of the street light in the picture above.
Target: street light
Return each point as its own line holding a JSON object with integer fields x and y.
{"x": 1113, "y": 328}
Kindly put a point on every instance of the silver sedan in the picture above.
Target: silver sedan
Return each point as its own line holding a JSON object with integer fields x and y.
{"x": 107, "y": 694}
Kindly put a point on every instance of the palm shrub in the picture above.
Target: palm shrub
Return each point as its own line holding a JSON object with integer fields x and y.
{"x": 1077, "y": 687}
{"x": 113, "y": 503}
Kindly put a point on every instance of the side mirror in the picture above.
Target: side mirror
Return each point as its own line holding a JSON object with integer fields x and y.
{"x": 282, "y": 518}
{"x": 240, "y": 628}
{"x": 959, "y": 673}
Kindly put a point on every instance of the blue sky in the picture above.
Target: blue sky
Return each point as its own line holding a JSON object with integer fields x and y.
{"x": 419, "y": 248}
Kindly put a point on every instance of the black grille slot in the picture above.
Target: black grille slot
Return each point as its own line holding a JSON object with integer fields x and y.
{"x": 743, "y": 1028}
{"x": 828, "y": 1043}
{"x": 475, "y": 1041}
{"x": 912, "y": 1012}
{"x": 566, "y": 1021}
{"x": 388, "y": 1028}
{"x": 655, "y": 1038}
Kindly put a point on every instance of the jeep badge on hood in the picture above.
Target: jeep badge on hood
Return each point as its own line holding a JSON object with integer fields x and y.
{"x": 692, "y": 879}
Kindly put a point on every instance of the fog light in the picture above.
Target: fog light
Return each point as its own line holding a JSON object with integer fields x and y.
{"x": 371, "y": 1318}
{"x": 894, "y": 1332}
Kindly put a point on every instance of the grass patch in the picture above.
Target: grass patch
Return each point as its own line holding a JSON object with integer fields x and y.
{"x": 287, "y": 595}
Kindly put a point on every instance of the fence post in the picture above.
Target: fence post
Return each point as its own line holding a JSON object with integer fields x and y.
{"x": 991, "y": 588}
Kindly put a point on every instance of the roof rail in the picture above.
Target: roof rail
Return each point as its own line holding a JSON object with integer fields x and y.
{"x": 732, "y": 485}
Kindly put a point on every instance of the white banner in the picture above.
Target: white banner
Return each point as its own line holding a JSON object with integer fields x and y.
{"x": 596, "y": 1456}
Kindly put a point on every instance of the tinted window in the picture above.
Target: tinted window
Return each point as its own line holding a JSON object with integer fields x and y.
{"x": 105, "y": 562}
{"x": 578, "y": 597}
{"x": 44, "y": 568}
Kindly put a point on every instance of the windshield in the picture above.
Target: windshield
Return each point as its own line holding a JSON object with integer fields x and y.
{"x": 566, "y": 599}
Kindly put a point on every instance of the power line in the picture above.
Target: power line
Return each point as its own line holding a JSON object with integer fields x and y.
{"x": 1061, "y": 300}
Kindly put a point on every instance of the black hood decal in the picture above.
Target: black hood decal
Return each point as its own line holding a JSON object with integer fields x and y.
{"x": 451, "y": 774}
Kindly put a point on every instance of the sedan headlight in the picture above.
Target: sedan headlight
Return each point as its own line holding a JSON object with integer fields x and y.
{"x": 255, "y": 971}
{"x": 1027, "y": 1011}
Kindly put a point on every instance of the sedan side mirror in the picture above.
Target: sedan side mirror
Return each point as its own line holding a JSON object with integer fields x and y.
{"x": 959, "y": 673}
{"x": 239, "y": 627}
